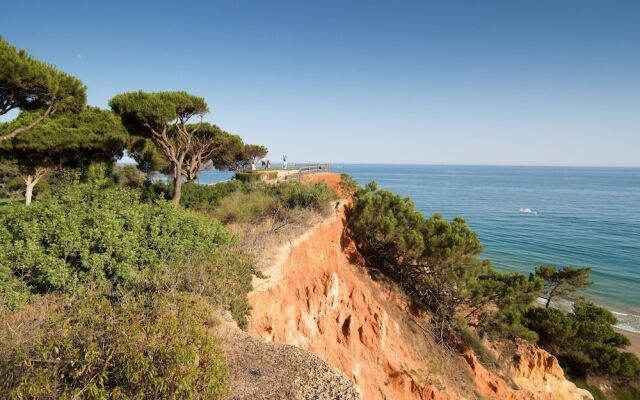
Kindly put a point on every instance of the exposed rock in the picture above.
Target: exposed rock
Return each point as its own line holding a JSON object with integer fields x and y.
{"x": 536, "y": 374}
{"x": 536, "y": 370}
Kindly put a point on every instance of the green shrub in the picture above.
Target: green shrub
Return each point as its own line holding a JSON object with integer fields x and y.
{"x": 86, "y": 234}
{"x": 437, "y": 263}
{"x": 240, "y": 207}
{"x": 207, "y": 197}
{"x": 584, "y": 340}
{"x": 552, "y": 325}
{"x": 299, "y": 195}
{"x": 158, "y": 190}
{"x": 143, "y": 347}
{"x": 348, "y": 185}
{"x": 582, "y": 384}
{"x": 240, "y": 202}
{"x": 628, "y": 393}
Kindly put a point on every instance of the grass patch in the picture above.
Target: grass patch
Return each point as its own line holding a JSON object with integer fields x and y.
{"x": 241, "y": 207}
{"x": 628, "y": 393}
{"x": 595, "y": 392}
{"x": 155, "y": 345}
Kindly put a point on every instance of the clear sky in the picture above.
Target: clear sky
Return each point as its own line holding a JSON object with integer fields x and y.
{"x": 537, "y": 82}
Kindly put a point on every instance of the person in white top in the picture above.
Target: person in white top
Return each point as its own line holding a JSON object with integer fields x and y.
{"x": 284, "y": 161}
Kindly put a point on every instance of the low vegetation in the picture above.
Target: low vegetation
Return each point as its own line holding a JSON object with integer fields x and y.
{"x": 241, "y": 202}
{"x": 118, "y": 294}
{"x": 147, "y": 346}
{"x": 584, "y": 340}
{"x": 264, "y": 216}
{"x": 117, "y": 289}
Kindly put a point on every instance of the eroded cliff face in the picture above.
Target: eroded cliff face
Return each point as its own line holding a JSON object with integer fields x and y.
{"x": 537, "y": 371}
{"x": 319, "y": 298}
{"x": 319, "y": 304}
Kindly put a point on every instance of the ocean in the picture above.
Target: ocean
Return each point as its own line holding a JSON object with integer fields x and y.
{"x": 527, "y": 216}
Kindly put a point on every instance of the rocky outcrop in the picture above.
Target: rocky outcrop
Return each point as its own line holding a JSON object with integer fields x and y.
{"x": 537, "y": 371}
{"x": 536, "y": 375}
{"x": 318, "y": 297}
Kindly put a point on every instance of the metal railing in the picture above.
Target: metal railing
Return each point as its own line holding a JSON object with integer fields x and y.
{"x": 306, "y": 169}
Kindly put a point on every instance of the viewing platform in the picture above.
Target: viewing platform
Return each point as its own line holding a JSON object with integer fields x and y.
{"x": 274, "y": 175}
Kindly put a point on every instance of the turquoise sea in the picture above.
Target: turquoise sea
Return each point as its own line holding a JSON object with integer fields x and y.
{"x": 526, "y": 216}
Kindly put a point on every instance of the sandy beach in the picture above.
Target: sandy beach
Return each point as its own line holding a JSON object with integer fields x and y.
{"x": 635, "y": 341}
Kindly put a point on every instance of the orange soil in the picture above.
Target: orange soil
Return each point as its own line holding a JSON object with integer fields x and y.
{"x": 330, "y": 178}
{"x": 320, "y": 305}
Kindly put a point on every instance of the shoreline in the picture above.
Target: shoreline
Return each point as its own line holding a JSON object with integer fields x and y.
{"x": 634, "y": 338}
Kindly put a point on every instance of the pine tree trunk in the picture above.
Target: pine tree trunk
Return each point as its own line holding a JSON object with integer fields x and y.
{"x": 30, "y": 182}
{"x": 177, "y": 184}
{"x": 551, "y": 293}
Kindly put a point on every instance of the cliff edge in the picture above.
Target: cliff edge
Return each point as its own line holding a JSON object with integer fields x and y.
{"x": 318, "y": 297}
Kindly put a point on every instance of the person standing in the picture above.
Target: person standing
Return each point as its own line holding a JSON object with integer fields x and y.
{"x": 284, "y": 161}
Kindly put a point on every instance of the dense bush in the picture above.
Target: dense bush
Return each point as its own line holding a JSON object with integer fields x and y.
{"x": 85, "y": 233}
{"x": 207, "y": 197}
{"x": 348, "y": 185}
{"x": 436, "y": 262}
{"x": 241, "y": 207}
{"x": 584, "y": 339}
{"x": 141, "y": 347}
{"x": 316, "y": 196}
{"x": 222, "y": 276}
{"x": 237, "y": 201}
{"x": 226, "y": 200}
{"x": 628, "y": 393}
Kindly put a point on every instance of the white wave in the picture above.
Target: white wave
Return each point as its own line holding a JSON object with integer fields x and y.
{"x": 628, "y": 322}
{"x": 619, "y": 313}
{"x": 527, "y": 211}
{"x": 627, "y": 328}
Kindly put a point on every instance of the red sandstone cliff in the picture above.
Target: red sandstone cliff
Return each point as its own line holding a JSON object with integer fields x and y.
{"x": 319, "y": 298}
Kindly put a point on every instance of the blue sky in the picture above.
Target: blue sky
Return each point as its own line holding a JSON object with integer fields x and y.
{"x": 456, "y": 82}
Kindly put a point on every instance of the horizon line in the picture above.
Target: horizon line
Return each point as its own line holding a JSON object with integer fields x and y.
{"x": 476, "y": 165}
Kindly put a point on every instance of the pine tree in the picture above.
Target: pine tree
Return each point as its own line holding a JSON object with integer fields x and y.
{"x": 30, "y": 85}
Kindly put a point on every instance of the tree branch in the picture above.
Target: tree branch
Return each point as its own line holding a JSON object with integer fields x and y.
{"x": 50, "y": 111}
